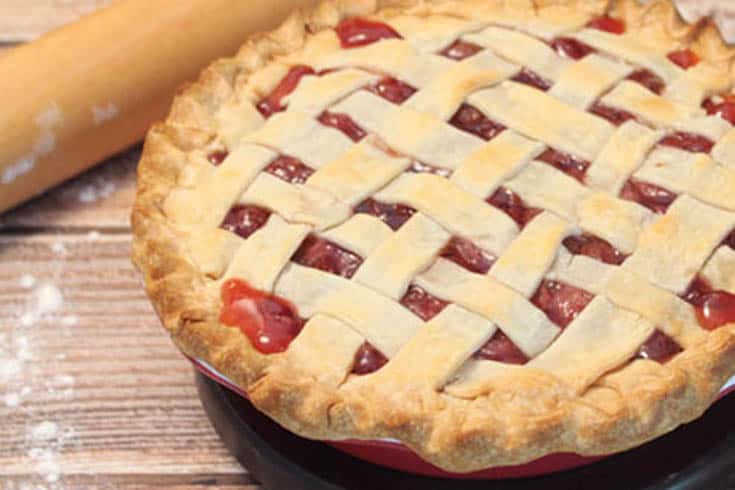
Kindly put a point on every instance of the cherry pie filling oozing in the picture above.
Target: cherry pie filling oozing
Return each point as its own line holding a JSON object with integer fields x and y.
{"x": 714, "y": 308}
{"x": 271, "y": 323}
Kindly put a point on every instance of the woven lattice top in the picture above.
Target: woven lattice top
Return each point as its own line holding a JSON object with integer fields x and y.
{"x": 456, "y": 198}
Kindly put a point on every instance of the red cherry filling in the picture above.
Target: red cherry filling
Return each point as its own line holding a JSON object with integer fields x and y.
{"x": 468, "y": 118}
{"x": 512, "y": 204}
{"x": 465, "y": 253}
{"x": 327, "y": 256}
{"x": 270, "y": 322}
{"x": 659, "y": 347}
{"x": 714, "y": 309}
{"x": 368, "y": 359}
{"x": 356, "y": 32}
{"x": 501, "y": 349}
{"x": 655, "y": 198}
{"x": 615, "y": 116}
{"x": 460, "y": 50}
{"x": 571, "y": 48}
{"x": 533, "y": 79}
{"x": 594, "y": 247}
{"x": 289, "y": 169}
{"x": 244, "y": 220}
{"x": 688, "y": 142}
{"x": 648, "y": 79}
{"x": 393, "y": 215}
{"x": 561, "y": 302}
{"x": 685, "y": 58}
{"x": 217, "y": 157}
{"x": 392, "y": 90}
{"x": 423, "y": 168}
{"x": 725, "y": 109}
{"x": 422, "y": 304}
{"x": 608, "y": 24}
{"x": 569, "y": 164}
{"x": 344, "y": 123}
{"x": 273, "y": 102}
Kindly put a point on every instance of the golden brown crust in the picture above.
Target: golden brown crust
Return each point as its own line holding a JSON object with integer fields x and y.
{"x": 509, "y": 420}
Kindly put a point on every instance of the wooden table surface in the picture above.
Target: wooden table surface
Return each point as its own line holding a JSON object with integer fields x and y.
{"x": 92, "y": 392}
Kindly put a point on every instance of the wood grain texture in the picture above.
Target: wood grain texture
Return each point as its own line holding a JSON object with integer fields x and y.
{"x": 92, "y": 392}
{"x": 98, "y": 199}
{"x": 98, "y": 367}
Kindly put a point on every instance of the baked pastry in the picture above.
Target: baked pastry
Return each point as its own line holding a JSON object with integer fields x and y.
{"x": 491, "y": 230}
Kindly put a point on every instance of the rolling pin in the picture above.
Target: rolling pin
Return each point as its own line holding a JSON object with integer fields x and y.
{"x": 90, "y": 89}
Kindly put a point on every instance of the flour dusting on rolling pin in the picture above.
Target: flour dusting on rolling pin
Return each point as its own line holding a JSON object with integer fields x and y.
{"x": 91, "y": 89}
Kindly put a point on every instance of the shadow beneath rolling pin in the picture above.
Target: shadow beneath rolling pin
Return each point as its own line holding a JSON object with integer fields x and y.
{"x": 99, "y": 199}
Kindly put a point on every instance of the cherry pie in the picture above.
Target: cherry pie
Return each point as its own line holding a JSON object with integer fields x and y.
{"x": 490, "y": 229}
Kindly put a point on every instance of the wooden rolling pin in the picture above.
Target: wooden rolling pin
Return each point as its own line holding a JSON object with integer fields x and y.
{"x": 91, "y": 89}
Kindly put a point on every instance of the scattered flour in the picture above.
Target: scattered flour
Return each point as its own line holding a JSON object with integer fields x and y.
{"x": 27, "y": 281}
{"x": 15, "y": 399}
{"x": 69, "y": 321}
{"x": 16, "y": 347}
{"x": 46, "y": 299}
{"x": 23, "y": 350}
{"x": 93, "y": 235}
{"x": 23, "y": 166}
{"x": 23, "y": 366}
{"x": 9, "y": 369}
{"x": 46, "y": 463}
{"x": 96, "y": 191}
{"x": 59, "y": 248}
{"x": 12, "y": 400}
{"x": 46, "y": 440}
{"x": 63, "y": 380}
{"x": 27, "y": 319}
{"x": 47, "y": 122}
{"x": 61, "y": 387}
{"x": 102, "y": 114}
{"x": 45, "y": 431}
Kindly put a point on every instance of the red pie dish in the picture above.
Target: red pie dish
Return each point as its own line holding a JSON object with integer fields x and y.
{"x": 393, "y": 454}
{"x": 497, "y": 232}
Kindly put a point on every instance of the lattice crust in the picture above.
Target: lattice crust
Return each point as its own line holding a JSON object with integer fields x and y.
{"x": 584, "y": 386}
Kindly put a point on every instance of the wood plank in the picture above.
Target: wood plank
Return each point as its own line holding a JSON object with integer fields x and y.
{"x": 135, "y": 482}
{"x": 115, "y": 397}
{"x": 23, "y": 20}
{"x": 101, "y": 198}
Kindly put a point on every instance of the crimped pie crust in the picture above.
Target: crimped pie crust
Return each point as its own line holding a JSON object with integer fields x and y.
{"x": 489, "y": 417}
